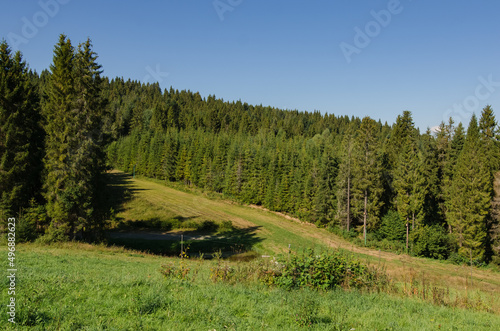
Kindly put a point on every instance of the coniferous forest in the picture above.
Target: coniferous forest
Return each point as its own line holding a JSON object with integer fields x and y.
{"x": 63, "y": 128}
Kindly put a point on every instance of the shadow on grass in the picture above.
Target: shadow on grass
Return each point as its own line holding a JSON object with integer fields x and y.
{"x": 230, "y": 243}
{"x": 118, "y": 191}
{"x": 158, "y": 223}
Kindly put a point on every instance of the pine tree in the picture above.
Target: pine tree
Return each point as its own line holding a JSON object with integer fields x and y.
{"x": 73, "y": 112}
{"x": 21, "y": 136}
{"x": 324, "y": 203}
{"x": 60, "y": 127}
{"x": 470, "y": 194}
{"x": 169, "y": 155}
{"x": 490, "y": 147}
{"x": 344, "y": 180}
{"x": 402, "y": 129}
{"x": 409, "y": 183}
{"x": 367, "y": 184}
{"x": 91, "y": 136}
{"x": 181, "y": 164}
{"x": 488, "y": 133}
{"x": 430, "y": 172}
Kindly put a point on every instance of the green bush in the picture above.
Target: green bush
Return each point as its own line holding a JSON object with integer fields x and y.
{"x": 393, "y": 228}
{"x": 25, "y": 230}
{"x": 226, "y": 226}
{"x": 343, "y": 233}
{"x": 431, "y": 241}
{"x": 323, "y": 271}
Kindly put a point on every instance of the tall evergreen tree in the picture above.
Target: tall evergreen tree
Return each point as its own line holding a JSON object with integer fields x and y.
{"x": 430, "y": 172}
{"x": 367, "y": 184}
{"x": 74, "y": 154}
{"x": 469, "y": 202}
{"x": 488, "y": 133}
{"x": 60, "y": 127}
{"x": 21, "y": 136}
{"x": 409, "y": 182}
{"x": 344, "y": 179}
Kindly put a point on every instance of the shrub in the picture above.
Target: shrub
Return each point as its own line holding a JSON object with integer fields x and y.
{"x": 226, "y": 226}
{"x": 393, "y": 227}
{"x": 324, "y": 271}
{"x": 343, "y": 233}
{"x": 431, "y": 241}
{"x": 25, "y": 230}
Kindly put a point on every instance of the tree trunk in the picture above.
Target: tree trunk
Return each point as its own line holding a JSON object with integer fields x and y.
{"x": 349, "y": 187}
{"x": 407, "y": 226}
{"x": 348, "y": 201}
{"x": 364, "y": 219}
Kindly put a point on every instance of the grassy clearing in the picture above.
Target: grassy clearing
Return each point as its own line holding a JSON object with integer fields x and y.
{"x": 147, "y": 200}
{"x": 77, "y": 286}
{"x": 270, "y": 233}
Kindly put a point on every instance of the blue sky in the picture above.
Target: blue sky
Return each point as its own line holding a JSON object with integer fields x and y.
{"x": 434, "y": 58}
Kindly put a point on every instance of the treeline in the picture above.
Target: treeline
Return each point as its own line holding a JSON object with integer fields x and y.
{"x": 431, "y": 192}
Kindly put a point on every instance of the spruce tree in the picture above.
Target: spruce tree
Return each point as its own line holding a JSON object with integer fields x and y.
{"x": 60, "y": 127}
{"x": 21, "y": 136}
{"x": 430, "y": 172}
{"x": 488, "y": 133}
{"x": 409, "y": 183}
{"x": 344, "y": 180}
{"x": 490, "y": 146}
{"x": 469, "y": 204}
{"x": 73, "y": 111}
{"x": 367, "y": 184}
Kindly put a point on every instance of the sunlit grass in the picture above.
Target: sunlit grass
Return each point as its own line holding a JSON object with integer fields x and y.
{"x": 75, "y": 286}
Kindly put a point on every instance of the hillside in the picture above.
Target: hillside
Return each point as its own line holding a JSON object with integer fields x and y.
{"x": 270, "y": 233}
{"x": 78, "y": 287}
{"x": 72, "y": 286}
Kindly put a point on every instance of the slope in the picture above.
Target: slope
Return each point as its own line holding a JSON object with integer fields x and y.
{"x": 272, "y": 233}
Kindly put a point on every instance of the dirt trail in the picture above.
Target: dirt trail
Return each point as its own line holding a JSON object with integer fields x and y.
{"x": 158, "y": 235}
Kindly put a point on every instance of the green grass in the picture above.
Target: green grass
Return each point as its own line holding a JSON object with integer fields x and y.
{"x": 82, "y": 287}
{"x": 270, "y": 233}
{"x": 150, "y": 201}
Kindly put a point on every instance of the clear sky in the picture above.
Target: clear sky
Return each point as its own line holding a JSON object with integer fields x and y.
{"x": 362, "y": 58}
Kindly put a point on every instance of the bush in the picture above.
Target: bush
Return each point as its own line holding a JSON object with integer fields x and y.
{"x": 226, "y": 226}
{"x": 25, "y": 230}
{"x": 431, "y": 241}
{"x": 324, "y": 271}
{"x": 393, "y": 228}
{"x": 55, "y": 234}
{"x": 209, "y": 226}
{"x": 458, "y": 259}
{"x": 343, "y": 233}
{"x": 31, "y": 224}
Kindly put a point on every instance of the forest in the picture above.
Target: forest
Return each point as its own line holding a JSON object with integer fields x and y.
{"x": 62, "y": 129}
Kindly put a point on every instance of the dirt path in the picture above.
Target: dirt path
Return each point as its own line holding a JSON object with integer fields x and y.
{"x": 158, "y": 235}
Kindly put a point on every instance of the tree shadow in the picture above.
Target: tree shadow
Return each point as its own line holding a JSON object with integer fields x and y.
{"x": 118, "y": 190}
{"x": 194, "y": 243}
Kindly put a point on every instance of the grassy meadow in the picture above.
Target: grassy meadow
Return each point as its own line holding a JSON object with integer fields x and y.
{"x": 82, "y": 287}
{"x": 120, "y": 285}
